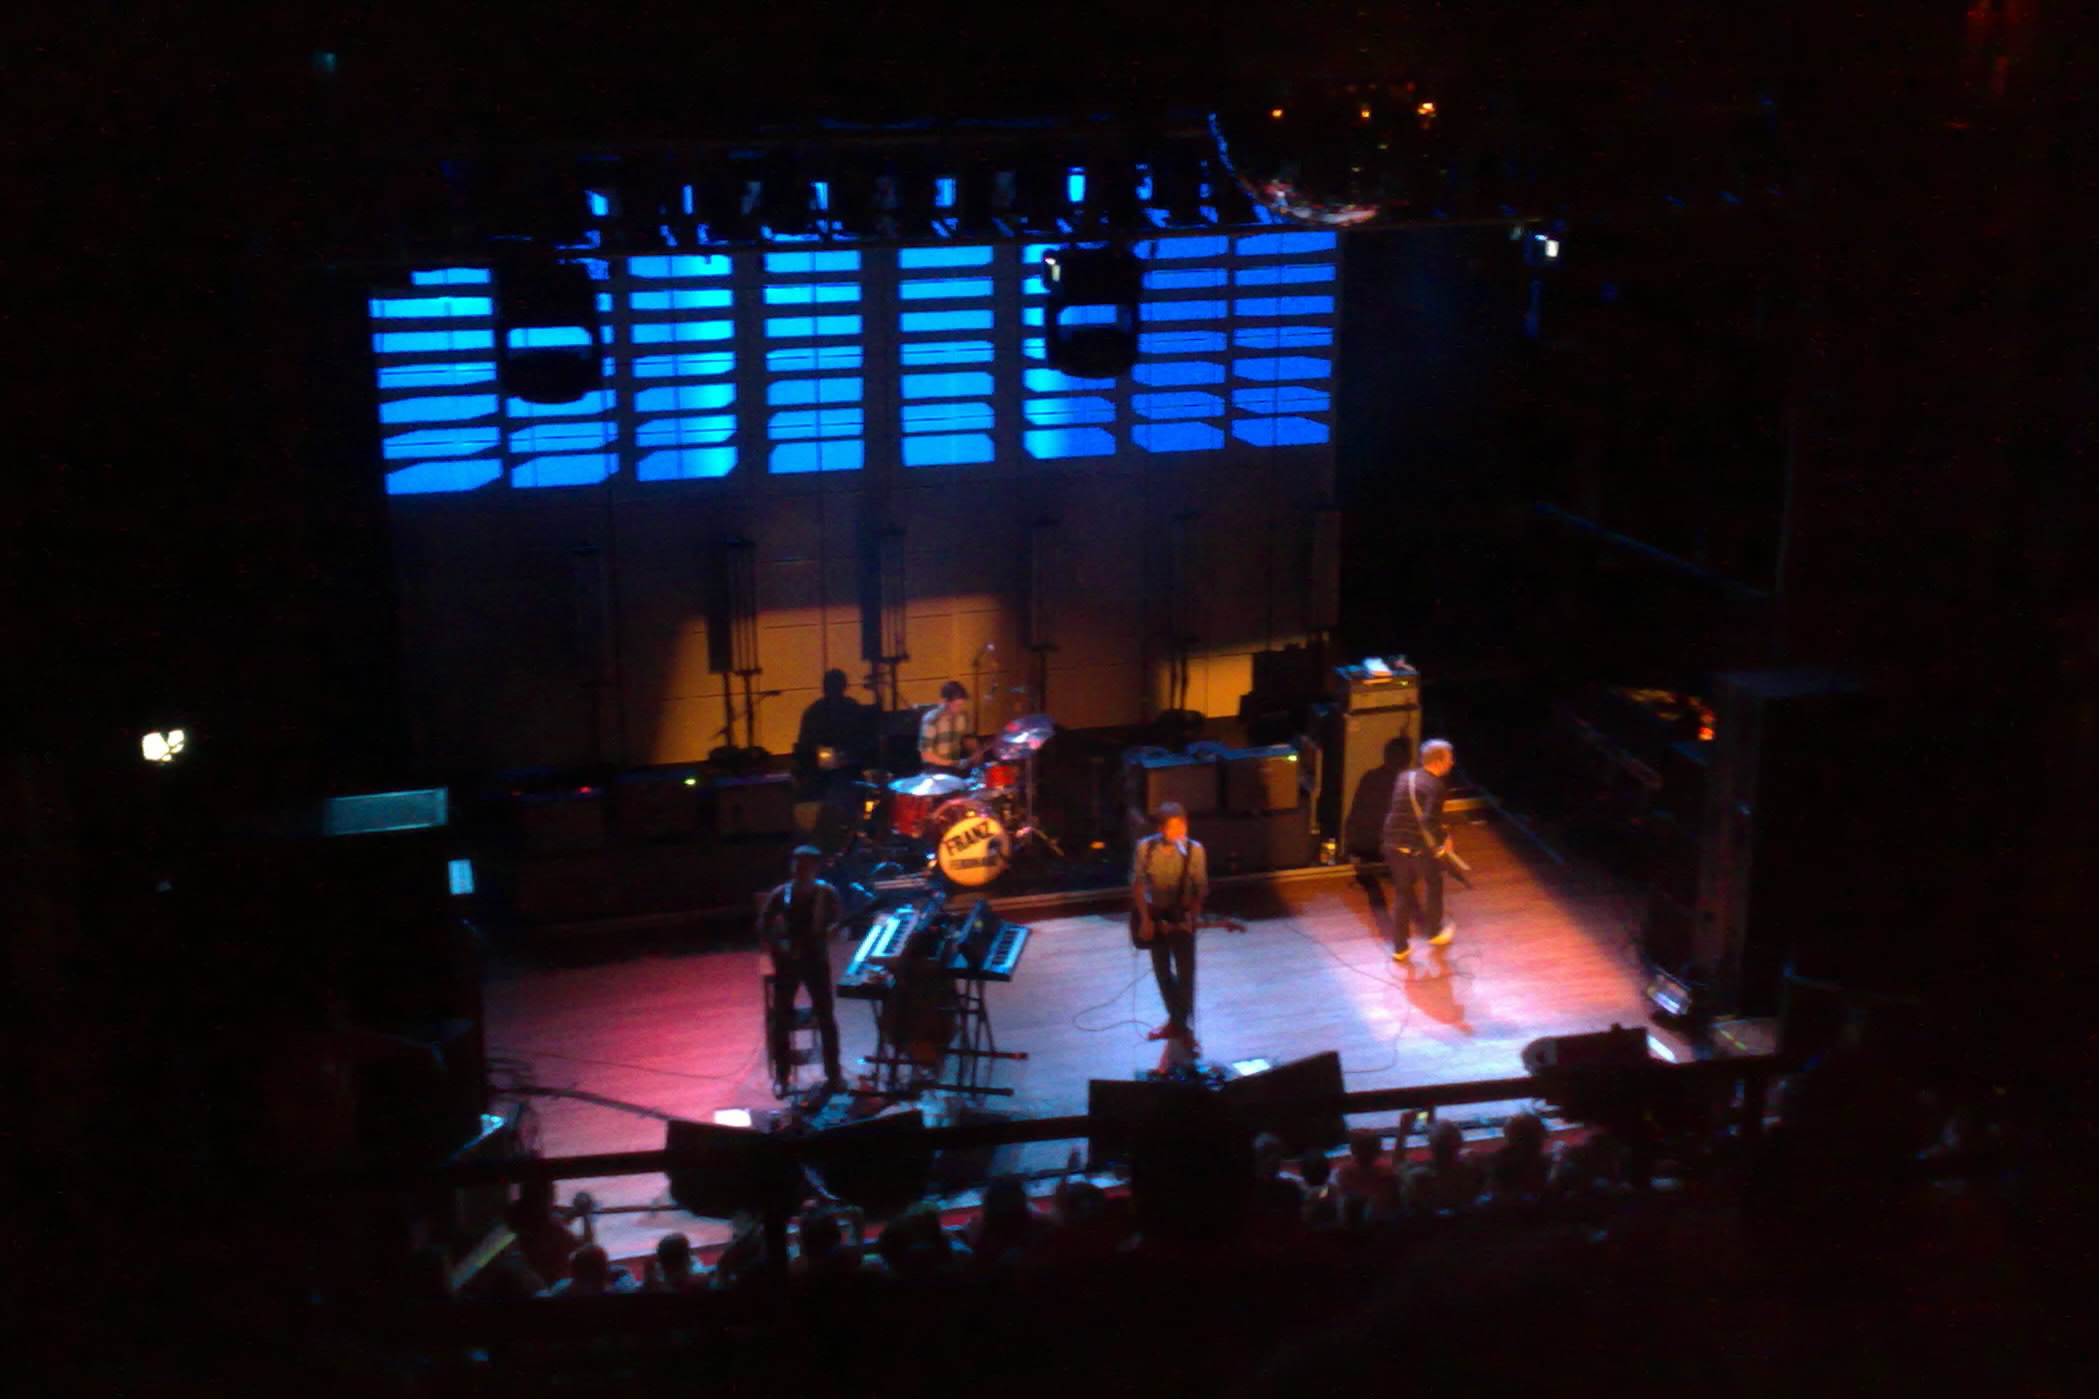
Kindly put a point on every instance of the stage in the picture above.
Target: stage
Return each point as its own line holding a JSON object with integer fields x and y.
{"x": 1543, "y": 948}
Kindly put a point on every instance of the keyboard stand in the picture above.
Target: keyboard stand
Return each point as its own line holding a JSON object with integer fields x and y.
{"x": 974, "y": 1042}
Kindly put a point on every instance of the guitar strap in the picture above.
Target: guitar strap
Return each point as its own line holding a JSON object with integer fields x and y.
{"x": 1180, "y": 893}
{"x": 1420, "y": 823}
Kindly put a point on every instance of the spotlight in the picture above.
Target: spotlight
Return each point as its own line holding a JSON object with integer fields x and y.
{"x": 162, "y": 747}
{"x": 1541, "y": 248}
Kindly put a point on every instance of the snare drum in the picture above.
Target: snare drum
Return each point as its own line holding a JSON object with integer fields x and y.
{"x": 970, "y": 843}
{"x": 913, "y": 799}
{"x": 999, "y": 777}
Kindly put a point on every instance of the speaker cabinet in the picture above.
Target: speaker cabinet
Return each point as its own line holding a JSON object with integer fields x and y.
{"x": 558, "y": 821}
{"x": 1270, "y": 840}
{"x": 1373, "y": 729}
{"x": 656, "y": 805}
{"x": 754, "y": 806}
{"x": 1258, "y": 780}
{"x": 1784, "y": 874}
{"x": 1174, "y": 777}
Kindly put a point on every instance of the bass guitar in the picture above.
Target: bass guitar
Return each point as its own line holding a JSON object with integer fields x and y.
{"x": 1207, "y": 920}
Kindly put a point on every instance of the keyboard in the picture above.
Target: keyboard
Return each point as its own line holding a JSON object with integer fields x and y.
{"x": 889, "y": 938}
{"x": 1001, "y": 956}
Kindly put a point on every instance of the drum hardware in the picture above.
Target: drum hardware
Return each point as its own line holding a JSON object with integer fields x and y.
{"x": 914, "y": 799}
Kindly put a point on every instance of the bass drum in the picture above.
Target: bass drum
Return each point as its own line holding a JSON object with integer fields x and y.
{"x": 970, "y": 844}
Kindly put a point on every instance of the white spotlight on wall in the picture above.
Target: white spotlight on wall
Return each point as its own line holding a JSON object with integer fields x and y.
{"x": 162, "y": 747}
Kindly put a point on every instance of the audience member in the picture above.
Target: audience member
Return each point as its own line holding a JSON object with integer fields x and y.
{"x": 543, "y": 1240}
{"x": 1449, "y": 1180}
{"x": 1191, "y": 1177}
{"x": 826, "y": 1253}
{"x": 673, "y": 1268}
{"x": 1592, "y": 1166}
{"x": 744, "y": 1259}
{"x": 1366, "y": 1183}
{"x": 914, "y": 1246}
{"x": 1086, "y": 1227}
{"x": 591, "y": 1274}
{"x": 1322, "y": 1209}
{"x": 1006, "y": 1226}
{"x": 1275, "y": 1193}
{"x": 1520, "y": 1169}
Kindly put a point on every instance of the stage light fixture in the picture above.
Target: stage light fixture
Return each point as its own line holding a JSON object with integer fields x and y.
{"x": 724, "y": 198}
{"x": 915, "y": 198}
{"x": 1041, "y": 194}
{"x": 163, "y": 746}
{"x": 976, "y": 198}
{"x": 1112, "y": 202}
{"x": 1177, "y": 189}
{"x": 546, "y": 325}
{"x": 1078, "y": 277}
{"x": 786, "y": 199}
{"x": 856, "y": 201}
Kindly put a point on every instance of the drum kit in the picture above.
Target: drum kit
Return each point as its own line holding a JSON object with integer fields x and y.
{"x": 969, "y": 828}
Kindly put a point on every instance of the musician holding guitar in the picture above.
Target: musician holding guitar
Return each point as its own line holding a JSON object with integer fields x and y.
{"x": 1416, "y": 846}
{"x": 1169, "y": 878}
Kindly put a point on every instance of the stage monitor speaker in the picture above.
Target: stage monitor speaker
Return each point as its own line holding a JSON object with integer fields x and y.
{"x": 1258, "y": 780}
{"x": 722, "y": 1172}
{"x": 1374, "y": 729}
{"x": 881, "y": 1164}
{"x": 1117, "y": 1110}
{"x": 1615, "y": 1048}
{"x": 1318, "y": 1076}
{"x": 754, "y": 806}
{"x": 1175, "y": 777}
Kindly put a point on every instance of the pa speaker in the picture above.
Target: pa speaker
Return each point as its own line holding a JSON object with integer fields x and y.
{"x": 1297, "y": 1081}
{"x": 882, "y": 1164}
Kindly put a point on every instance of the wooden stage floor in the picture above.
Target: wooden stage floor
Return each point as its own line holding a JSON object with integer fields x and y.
{"x": 1542, "y": 949}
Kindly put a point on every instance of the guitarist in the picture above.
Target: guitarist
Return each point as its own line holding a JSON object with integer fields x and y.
{"x": 1169, "y": 878}
{"x": 799, "y": 917}
{"x": 1416, "y": 844}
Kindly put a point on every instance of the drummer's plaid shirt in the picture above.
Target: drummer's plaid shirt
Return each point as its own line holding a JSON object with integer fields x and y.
{"x": 941, "y": 733}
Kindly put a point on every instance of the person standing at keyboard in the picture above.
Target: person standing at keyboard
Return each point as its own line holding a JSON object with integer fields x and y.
{"x": 1169, "y": 879}
{"x": 795, "y": 927}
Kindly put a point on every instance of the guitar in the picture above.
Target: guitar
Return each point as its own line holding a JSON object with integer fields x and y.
{"x": 1455, "y": 864}
{"x": 1207, "y": 920}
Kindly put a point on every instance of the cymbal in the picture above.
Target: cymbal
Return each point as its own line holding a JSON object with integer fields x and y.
{"x": 927, "y": 784}
{"x": 1024, "y": 735}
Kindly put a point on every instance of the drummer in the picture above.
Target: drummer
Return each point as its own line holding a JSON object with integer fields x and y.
{"x": 944, "y": 743}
